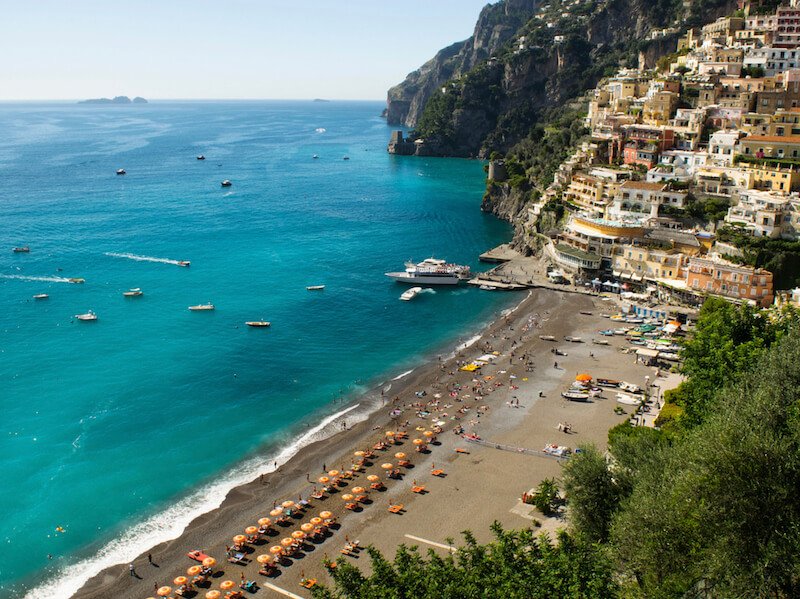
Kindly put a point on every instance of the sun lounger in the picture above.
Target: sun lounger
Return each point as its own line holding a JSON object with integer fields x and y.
{"x": 461, "y": 450}
{"x": 351, "y": 506}
{"x": 418, "y": 489}
{"x": 318, "y": 495}
{"x": 234, "y": 595}
{"x": 403, "y": 463}
{"x": 308, "y": 582}
{"x": 197, "y": 555}
{"x": 396, "y": 509}
{"x": 268, "y": 570}
{"x": 361, "y": 498}
{"x": 237, "y": 558}
{"x": 249, "y": 586}
{"x": 437, "y": 472}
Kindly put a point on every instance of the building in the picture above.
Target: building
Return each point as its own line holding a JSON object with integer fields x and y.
{"x": 764, "y": 214}
{"x": 777, "y": 179}
{"x": 595, "y": 241}
{"x": 771, "y": 146}
{"x": 707, "y": 276}
{"x": 595, "y": 190}
{"x": 649, "y": 263}
{"x": 640, "y": 199}
{"x": 722, "y": 147}
{"x": 643, "y": 144}
{"x": 659, "y": 108}
{"x": 787, "y": 29}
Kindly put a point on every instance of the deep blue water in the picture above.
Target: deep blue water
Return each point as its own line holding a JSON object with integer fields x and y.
{"x": 107, "y": 424}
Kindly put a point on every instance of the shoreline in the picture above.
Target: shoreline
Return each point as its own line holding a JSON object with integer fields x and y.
{"x": 366, "y": 403}
{"x": 485, "y": 481}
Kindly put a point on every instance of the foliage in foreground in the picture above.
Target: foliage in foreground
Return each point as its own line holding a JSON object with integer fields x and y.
{"x": 517, "y": 564}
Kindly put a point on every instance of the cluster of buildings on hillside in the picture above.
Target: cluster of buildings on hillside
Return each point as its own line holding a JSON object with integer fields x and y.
{"x": 720, "y": 123}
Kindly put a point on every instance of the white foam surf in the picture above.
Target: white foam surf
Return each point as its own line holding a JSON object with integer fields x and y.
{"x": 144, "y": 258}
{"x": 42, "y": 279}
{"x": 401, "y": 376}
{"x": 170, "y": 523}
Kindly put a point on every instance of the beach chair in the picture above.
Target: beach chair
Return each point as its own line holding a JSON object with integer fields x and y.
{"x": 308, "y": 583}
{"x": 249, "y": 586}
{"x": 437, "y": 472}
{"x": 461, "y": 450}
{"x": 362, "y": 498}
{"x": 238, "y": 558}
{"x": 351, "y": 506}
{"x": 418, "y": 489}
{"x": 376, "y": 486}
{"x": 396, "y": 509}
{"x": 403, "y": 463}
{"x": 197, "y": 555}
{"x": 318, "y": 495}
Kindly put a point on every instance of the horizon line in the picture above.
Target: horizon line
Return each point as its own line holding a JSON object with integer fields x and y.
{"x": 8, "y": 100}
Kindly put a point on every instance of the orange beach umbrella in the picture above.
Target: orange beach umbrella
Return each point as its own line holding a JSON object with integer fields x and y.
{"x": 373, "y": 478}
{"x": 209, "y": 562}
{"x": 227, "y": 585}
{"x": 276, "y": 549}
{"x": 164, "y": 591}
{"x": 316, "y": 520}
{"x": 333, "y": 473}
{"x": 418, "y": 442}
{"x": 390, "y": 433}
{"x": 428, "y": 433}
{"x": 400, "y": 455}
{"x": 264, "y": 558}
{"x": 264, "y": 521}
{"x": 387, "y": 466}
{"x": 239, "y": 539}
{"x": 276, "y": 512}
{"x": 307, "y": 527}
{"x": 583, "y": 378}
{"x": 359, "y": 453}
{"x": 194, "y": 570}
{"x": 287, "y": 541}
{"x": 358, "y": 490}
{"x": 325, "y": 515}
{"x": 298, "y": 534}
{"x": 180, "y": 580}
{"x": 251, "y": 530}
{"x": 324, "y": 480}
{"x": 288, "y": 504}
{"x": 215, "y": 594}
{"x": 347, "y": 497}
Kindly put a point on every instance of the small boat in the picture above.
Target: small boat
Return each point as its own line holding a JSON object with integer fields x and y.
{"x": 258, "y": 324}
{"x": 630, "y": 387}
{"x": 120, "y": 171}
{"x": 39, "y": 296}
{"x": 184, "y": 263}
{"x": 485, "y": 287}
{"x": 575, "y": 396}
{"x": 315, "y": 287}
{"x": 346, "y": 158}
{"x": 201, "y": 157}
{"x": 586, "y": 313}
{"x": 21, "y": 250}
{"x": 607, "y": 382}
{"x": 88, "y": 317}
{"x": 75, "y": 280}
{"x": 315, "y": 156}
{"x": 621, "y": 331}
{"x": 600, "y": 342}
{"x": 628, "y": 400}
{"x": 136, "y": 292}
{"x": 573, "y": 339}
{"x": 202, "y": 307}
{"x": 410, "y": 294}
{"x": 226, "y": 183}
{"x": 547, "y": 337}
{"x": 607, "y": 332}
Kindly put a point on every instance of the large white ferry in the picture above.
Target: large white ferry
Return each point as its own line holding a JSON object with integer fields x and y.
{"x": 431, "y": 272}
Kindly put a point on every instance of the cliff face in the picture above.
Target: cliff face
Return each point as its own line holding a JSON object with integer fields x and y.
{"x": 496, "y": 25}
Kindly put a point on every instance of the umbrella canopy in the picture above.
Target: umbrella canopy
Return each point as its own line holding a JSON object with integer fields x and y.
{"x": 373, "y": 478}
{"x": 325, "y": 515}
{"x": 209, "y": 562}
{"x": 276, "y": 549}
{"x": 264, "y": 521}
{"x": 428, "y": 433}
{"x": 418, "y": 442}
{"x": 227, "y": 585}
{"x": 347, "y": 497}
{"x": 164, "y": 591}
{"x": 180, "y": 580}
{"x": 307, "y": 527}
{"x": 276, "y": 512}
{"x": 390, "y": 433}
{"x": 264, "y": 558}
{"x": 194, "y": 570}
{"x": 358, "y": 490}
{"x": 583, "y": 378}
{"x": 215, "y": 594}
{"x": 251, "y": 530}
{"x": 316, "y": 520}
{"x": 400, "y": 455}
{"x": 287, "y": 541}
{"x": 333, "y": 473}
{"x": 324, "y": 480}
{"x": 239, "y": 539}
{"x": 359, "y": 454}
{"x": 387, "y": 466}
{"x": 288, "y": 504}
{"x": 298, "y": 534}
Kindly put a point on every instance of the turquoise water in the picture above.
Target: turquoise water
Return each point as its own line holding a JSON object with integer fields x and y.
{"x": 107, "y": 424}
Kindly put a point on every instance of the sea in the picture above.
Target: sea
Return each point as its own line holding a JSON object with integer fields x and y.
{"x": 117, "y": 433}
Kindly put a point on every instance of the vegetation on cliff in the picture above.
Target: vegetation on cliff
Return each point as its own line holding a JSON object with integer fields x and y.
{"x": 779, "y": 256}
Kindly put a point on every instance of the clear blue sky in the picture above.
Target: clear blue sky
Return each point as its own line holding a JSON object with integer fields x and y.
{"x": 348, "y": 49}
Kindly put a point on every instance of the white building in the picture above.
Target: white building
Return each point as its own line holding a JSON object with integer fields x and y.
{"x": 722, "y": 147}
{"x": 641, "y": 199}
{"x": 765, "y": 214}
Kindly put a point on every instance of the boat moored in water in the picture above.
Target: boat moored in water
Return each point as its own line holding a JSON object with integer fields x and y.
{"x": 202, "y": 307}
{"x": 226, "y": 183}
{"x": 76, "y": 280}
{"x": 410, "y": 294}
{"x": 40, "y": 296}
{"x": 120, "y": 171}
{"x": 431, "y": 271}
{"x": 135, "y": 292}
{"x": 88, "y": 317}
{"x": 315, "y": 287}
{"x": 21, "y": 250}
{"x": 258, "y": 324}
{"x": 201, "y": 157}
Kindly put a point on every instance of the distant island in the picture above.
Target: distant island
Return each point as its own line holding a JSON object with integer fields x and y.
{"x": 319, "y": 100}
{"x": 115, "y": 100}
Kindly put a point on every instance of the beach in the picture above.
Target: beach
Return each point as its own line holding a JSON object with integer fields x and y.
{"x": 516, "y": 412}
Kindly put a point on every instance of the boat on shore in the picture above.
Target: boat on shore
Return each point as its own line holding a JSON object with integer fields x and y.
{"x": 258, "y": 324}
{"x": 87, "y": 317}
{"x": 40, "y": 296}
{"x": 76, "y": 280}
{"x": 600, "y": 342}
{"x": 226, "y": 183}
{"x": 573, "y": 339}
{"x": 315, "y": 287}
{"x": 575, "y": 396}
{"x": 607, "y": 382}
{"x": 547, "y": 337}
{"x": 21, "y": 250}
{"x": 202, "y": 307}
{"x": 431, "y": 271}
{"x": 410, "y": 294}
{"x": 135, "y": 292}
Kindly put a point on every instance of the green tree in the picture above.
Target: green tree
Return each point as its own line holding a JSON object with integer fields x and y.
{"x": 592, "y": 494}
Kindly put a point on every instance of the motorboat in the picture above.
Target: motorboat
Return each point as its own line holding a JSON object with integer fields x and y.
{"x": 258, "y": 324}
{"x": 346, "y": 158}
{"x": 135, "y": 292}
{"x": 600, "y": 342}
{"x": 547, "y": 337}
{"x": 40, "y": 296}
{"x": 201, "y": 157}
{"x": 315, "y": 156}
{"x": 120, "y": 171}
{"x": 184, "y": 263}
{"x": 575, "y": 395}
{"x": 76, "y": 280}
{"x": 315, "y": 287}
{"x": 410, "y": 294}
{"x": 607, "y": 332}
{"x": 226, "y": 183}
{"x": 630, "y": 387}
{"x": 573, "y": 339}
{"x": 431, "y": 271}
{"x": 202, "y": 307}
{"x": 21, "y": 250}
{"x": 486, "y": 287}
{"x": 607, "y": 382}
{"x": 88, "y": 317}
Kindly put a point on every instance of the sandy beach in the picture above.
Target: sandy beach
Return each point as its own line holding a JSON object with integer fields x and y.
{"x": 512, "y": 404}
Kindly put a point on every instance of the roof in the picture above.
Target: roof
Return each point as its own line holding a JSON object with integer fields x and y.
{"x": 643, "y": 185}
{"x": 577, "y": 253}
{"x": 668, "y": 235}
{"x": 787, "y": 139}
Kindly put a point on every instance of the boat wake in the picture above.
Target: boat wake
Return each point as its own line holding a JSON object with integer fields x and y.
{"x": 144, "y": 258}
{"x": 320, "y": 130}
{"x": 170, "y": 523}
{"x": 42, "y": 279}
{"x": 428, "y": 290}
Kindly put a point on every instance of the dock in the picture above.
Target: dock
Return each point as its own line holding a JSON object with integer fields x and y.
{"x": 499, "y": 255}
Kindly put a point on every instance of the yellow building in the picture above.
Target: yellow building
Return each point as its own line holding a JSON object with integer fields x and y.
{"x": 773, "y": 178}
{"x": 659, "y": 108}
{"x": 650, "y": 263}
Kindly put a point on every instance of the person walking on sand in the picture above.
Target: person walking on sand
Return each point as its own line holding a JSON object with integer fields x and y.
{"x": 324, "y": 469}
{"x": 132, "y": 569}
{"x": 150, "y": 558}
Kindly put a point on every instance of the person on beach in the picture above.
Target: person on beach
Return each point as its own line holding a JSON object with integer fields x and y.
{"x": 132, "y": 569}
{"x": 150, "y": 558}
{"x": 324, "y": 469}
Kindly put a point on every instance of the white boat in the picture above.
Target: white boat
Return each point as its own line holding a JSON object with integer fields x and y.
{"x": 89, "y": 316}
{"x": 630, "y": 387}
{"x": 120, "y": 171}
{"x": 628, "y": 400}
{"x": 315, "y": 156}
{"x": 226, "y": 183}
{"x": 39, "y": 296}
{"x": 257, "y": 324}
{"x": 135, "y": 292}
{"x": 547, "y": 337}
{"x": 573, "y": 339}
{"x": 21, "y": 250}
{"x": 201, "y": 157}
{"x": 184, "y": 263}
{"x": 431, "y": 271}
{"x": 600, "y": 342}
{"x": 202, "y": 307}
{"x": 315, "y": 287}
{"x": 410, "y": 294}
{"x": 575, "y": 396}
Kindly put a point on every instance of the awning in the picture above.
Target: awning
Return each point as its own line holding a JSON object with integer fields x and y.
{"x": 626, "y": 276}
{"x": 635, "y": 277}
{"x": 617, "y": 273}
{"x": 647, "y": 353}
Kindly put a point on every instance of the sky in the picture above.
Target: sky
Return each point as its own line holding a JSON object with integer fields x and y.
{"x": 244, "y": 49}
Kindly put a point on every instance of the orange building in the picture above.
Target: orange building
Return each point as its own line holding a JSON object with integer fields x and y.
{"x": 731, "y": 281}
